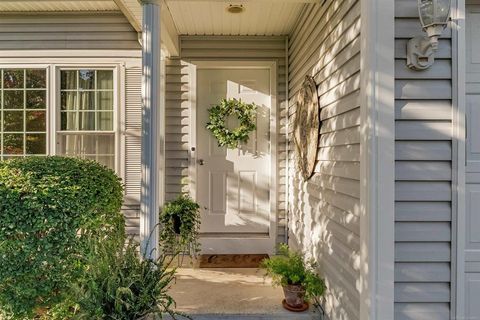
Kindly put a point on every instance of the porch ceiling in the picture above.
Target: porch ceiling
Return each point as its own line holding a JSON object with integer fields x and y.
{"x": 212, "y": 17}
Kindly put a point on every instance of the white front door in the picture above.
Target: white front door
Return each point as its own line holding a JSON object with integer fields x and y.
{"x": 472, "y": 232}
{"x": 234, "y": 185}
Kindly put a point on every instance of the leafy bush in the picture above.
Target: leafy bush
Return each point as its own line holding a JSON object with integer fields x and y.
{"x": 180, "y": 221}
{"x": 51, "y": 210}
{"x": 290, "y": 268}
{"x": 119, "y": 285}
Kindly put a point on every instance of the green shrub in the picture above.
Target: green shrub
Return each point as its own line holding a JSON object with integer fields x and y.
{"x": 180, "y": 221}
{"x": 51, "y": 210}
{"x": 290, "y": 268}
{"x": 121, "y": 286}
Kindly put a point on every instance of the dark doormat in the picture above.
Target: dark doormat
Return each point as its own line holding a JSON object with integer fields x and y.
{"x": 231, "y": 260}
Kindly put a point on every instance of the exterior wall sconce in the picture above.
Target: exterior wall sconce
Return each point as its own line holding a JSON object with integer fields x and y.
{"x": 434, "y": 15}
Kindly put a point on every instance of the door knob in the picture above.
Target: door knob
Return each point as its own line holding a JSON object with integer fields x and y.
{"x": 201, "y": 162}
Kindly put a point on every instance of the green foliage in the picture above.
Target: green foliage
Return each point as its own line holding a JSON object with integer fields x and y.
{"x": 121, "y": 286}
{"x": 290, "y": 268}
{"x": 51, "y": 210}
{"x": 246, "y": 114}
{"x": 180, "y": 221}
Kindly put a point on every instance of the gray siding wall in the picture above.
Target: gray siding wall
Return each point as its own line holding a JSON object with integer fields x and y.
{"x": 324, "y": 211}
{"x": 105, "y": 30}
{"x": 423, "y": 170}
{"x": 221, "y": 48}
{"x": 177, "y": 127}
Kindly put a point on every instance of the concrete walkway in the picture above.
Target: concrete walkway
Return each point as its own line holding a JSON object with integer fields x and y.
{"x": 232, "y": 294}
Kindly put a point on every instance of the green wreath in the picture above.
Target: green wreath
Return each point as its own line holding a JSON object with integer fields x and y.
{"x": 246, "y": 114}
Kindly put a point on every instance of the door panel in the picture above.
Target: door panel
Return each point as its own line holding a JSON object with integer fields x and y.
{"x": 472, "y": 294}
{"x": 473, "y": 131}
{"x": 233, "y": 185}
{"x": 472, "y": 233}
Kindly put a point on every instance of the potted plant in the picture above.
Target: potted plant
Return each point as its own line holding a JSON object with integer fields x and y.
{"x": 298, "y": 278}
{"x": 180, "y": 224}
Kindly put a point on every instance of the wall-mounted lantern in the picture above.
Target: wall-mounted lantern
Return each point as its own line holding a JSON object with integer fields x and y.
{"x": 434, "y": 15}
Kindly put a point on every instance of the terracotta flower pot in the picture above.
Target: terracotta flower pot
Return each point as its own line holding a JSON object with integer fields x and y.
{"x": 294, "y": 295}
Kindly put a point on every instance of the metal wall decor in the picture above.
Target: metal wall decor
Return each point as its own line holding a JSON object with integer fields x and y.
{"x": 307, "y": 127}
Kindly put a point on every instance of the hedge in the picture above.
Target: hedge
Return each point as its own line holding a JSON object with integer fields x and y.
{"x": 51, "y": 209}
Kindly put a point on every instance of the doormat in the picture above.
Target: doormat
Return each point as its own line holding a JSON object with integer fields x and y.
{"x": 231, "y": 260}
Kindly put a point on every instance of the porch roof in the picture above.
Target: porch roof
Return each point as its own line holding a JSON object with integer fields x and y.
{"x": 210, "y": 17}
{"x": 57, "y": 6}
{"x": 187, "y": 17}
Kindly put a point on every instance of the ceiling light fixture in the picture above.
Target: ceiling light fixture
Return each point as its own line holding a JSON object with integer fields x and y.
{"x": 235, "y": 8}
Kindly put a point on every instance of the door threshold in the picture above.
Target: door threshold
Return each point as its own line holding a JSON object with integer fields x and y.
{"x": 226, "y": 261}
{"x": 231, "y": 260}
{"x": 235, "y": 235}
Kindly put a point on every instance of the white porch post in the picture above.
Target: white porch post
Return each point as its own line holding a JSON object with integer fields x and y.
{"x": 377, "y": 160}
{"x": 152, "y": 186}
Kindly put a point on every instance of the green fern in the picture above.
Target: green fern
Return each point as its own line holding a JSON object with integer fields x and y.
{"x": 122, "y": 286}
{"x": 290, "y": 268}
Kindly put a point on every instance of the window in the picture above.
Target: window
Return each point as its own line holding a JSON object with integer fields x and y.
{"x": 86, "y": 124}
{"x": 83, "y": 109}
{"x": 23, "y": 108}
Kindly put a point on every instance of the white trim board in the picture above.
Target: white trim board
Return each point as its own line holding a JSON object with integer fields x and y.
{"x": 266, "y": 244}
{"x": 377, "y": 173}
{"x": 458, "y": 163}
{"x": 37, "y": 56}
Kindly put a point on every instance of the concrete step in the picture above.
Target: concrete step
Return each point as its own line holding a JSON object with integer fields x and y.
{"x": 231, "y": 294}
{"x": 309, "y": 315}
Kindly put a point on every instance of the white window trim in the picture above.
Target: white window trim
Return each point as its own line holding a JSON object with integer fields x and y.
{"x": 458, "y": 164}
{"x": 53, "y": 83}
{"x": 55, "y": 118}
{"x": 47, "y": 68}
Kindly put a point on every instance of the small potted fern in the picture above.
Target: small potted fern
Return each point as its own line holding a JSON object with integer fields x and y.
{"x": 298, "y": 278}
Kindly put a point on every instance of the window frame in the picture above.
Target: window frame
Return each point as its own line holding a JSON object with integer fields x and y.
{"x": 48, "y": 101}
{"x": 53, "y": 101}
{"x": 56, "y": 116}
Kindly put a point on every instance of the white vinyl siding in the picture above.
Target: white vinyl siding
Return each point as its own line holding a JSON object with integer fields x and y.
{"x": 133, "y": 130}
{"x": 34, "y": 31}
{"x": 238, "y": 48}
{"x": 133, "y": 147}
{"x": 423, "y": 174}
{"x": 324, "y": 211}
